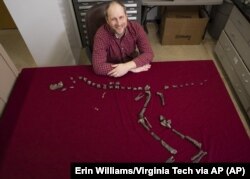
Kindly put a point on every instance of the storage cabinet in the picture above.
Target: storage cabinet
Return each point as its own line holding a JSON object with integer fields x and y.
{"x": 233, "y": 51}
{"x": 81, "y": 7}
{"x": 218, "y": 18}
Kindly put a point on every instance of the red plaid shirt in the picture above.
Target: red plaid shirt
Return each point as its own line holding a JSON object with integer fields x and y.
{"x": 108, "y": 49}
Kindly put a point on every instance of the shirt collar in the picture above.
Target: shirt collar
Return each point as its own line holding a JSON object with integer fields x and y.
{"x": 112, "y": 32}
{"x": 119, "y": 37}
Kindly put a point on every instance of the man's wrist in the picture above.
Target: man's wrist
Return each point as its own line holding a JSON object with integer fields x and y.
{"x": 131, "y": 65}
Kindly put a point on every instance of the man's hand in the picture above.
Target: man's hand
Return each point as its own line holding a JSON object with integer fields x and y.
{"x": 140, "y": 69}
{"x": 121, "y": 69}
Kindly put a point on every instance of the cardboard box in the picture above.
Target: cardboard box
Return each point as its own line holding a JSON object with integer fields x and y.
{"x": 183, "y": 25}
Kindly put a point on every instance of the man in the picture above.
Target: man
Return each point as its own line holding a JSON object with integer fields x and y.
{"x": 115, "y": 44}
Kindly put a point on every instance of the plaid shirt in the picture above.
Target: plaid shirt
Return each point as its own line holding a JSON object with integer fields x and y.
{"x": 108, "y": 49}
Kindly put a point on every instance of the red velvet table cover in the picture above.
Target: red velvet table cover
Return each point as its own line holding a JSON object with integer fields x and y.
{"x": 42, "y": 131}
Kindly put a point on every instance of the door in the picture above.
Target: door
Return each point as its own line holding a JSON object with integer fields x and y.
{"x": 6, "y": 21}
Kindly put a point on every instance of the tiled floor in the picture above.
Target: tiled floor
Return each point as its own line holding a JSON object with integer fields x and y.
{"x": 19, "y": 53}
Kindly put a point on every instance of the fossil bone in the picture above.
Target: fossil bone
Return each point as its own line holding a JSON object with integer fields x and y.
{"x": 104, "y": 86}
{"x": 198, "y": 159}
{"x": 170, "y": 160}
{"x": 162, "y": 98}
{"x": 167, "y": 123}
{"x": 178, "y": 133}
{"x": 141, "y": 114}
{"x": 56, "y": 85}
{"x": 168, "y": 147}
{"x": 147, "y": 88}
{"x": 142, "y": 122}
{"x": 148, "y": 98}
{"x": 98, "y": 85}
{"x": 139, "y": 96}
{"x": 103, "y": 94}
{"x": 166, "y": 87}
{"x": 64, "y": 89}
{"x": 147, "y": 122}
{"x": 155, "y": 136}
{"x": 195, "y": 142}
{"x": 89, "y": 82}
{"x": 197, "y": 155}
{"x": 164, "y": 122}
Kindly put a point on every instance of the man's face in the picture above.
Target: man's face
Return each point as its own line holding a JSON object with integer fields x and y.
{"x": 117, "y": 19}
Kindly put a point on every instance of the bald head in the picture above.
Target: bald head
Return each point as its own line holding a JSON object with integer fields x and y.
{"x": 114, "y": 5}
{"x": 116, "y": 17}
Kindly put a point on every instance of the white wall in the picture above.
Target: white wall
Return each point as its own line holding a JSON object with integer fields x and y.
{"x": 68, "y": 14}
{"x": 41, "y": 25}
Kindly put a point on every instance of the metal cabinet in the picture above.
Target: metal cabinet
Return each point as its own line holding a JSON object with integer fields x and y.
{"x": 81, "y": 7}
{"x": 233, "y": 51}
{"x": 218, "y": 18}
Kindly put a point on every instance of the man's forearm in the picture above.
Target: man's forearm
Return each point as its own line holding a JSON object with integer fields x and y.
{"x": 102, "y": 68}
{"x": 131, "y": 65}
{"x": 121, "y": 69}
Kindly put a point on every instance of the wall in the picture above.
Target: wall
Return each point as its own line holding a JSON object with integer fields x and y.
{"x": 68, "y": 14}
{"x": 43, "y": 30}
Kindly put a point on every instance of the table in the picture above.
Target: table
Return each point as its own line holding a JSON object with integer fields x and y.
{"x": 147, "y": 5}
{"x": 180, "y": 2}
{"x": 43, "y": 131}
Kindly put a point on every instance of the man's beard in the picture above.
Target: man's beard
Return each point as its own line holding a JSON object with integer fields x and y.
{"x": 120, "y": 33}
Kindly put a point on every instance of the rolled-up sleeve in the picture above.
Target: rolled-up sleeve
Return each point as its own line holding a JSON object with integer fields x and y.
{"x": 146, "y": 54}
{"x": 99, "y": 54}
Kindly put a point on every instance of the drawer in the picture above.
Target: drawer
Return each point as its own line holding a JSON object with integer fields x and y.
{"x": 130, "y": 5}
{"x": 132, "y": 16}
{"x": 241, "y": 24}
{"x": 241, "y": 92}
{"x": 236, "y": 61}
{"x": 86, "y": 2}
{"x": 227, "y": 66}
{"x": 83, "y": 20}
{"x": 130, "y": 1}
{"x": 242, "y": 72}
{"x": 132, "y": 11}
{"x": 239, "y": 42}
{"x": 83, "y": 14}
{"x": 239, "y": 89}
{"x": 84, "y": 7}
{"x": 88, "y": 5}
{"x": 83, "y": 1}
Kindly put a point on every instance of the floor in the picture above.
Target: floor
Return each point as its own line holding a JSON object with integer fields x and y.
{"x": 17, "y": 50}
